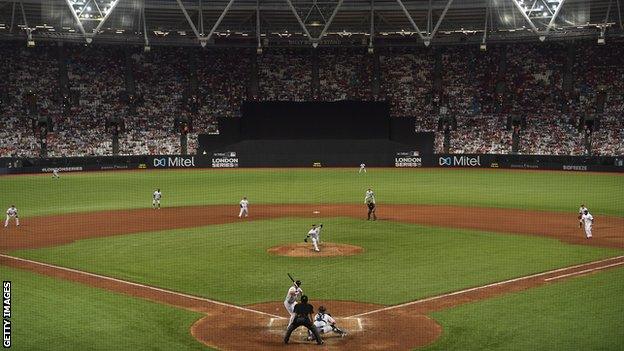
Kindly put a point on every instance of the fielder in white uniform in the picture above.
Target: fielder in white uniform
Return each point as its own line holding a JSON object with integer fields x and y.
{"x": 582, "y": 210}
{"x": 294, "y": 292}
{"x": 325, "y": 323}
{"x": 315, "y": 234}
{"x": 11, "y": 213}
{"x": 156, "y": 199}
{"x": 362, "y": 168}
{"x": 55, "y": 173}
{"x": 244, "y": 207}
{"x": 588, "y": 221}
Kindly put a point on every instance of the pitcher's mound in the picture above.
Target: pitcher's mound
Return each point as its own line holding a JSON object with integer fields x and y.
{"x": 306, "y": 250}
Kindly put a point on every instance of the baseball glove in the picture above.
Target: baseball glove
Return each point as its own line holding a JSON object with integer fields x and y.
{"x": 305, "y": 239}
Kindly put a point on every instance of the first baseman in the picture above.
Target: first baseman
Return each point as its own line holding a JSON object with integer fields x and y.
{"x": 156, "y": 199}
{"x": 244, "y": 207}
{"x": 11, "y": 213}
{"x": 294, "y": 292}
{"x": 588, "y": 221}
{"x": 315, "y": 234}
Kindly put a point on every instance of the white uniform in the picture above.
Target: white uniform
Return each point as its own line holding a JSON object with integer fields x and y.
{"x": 291, "y": 299}
{"x": 582, "y": 210}
{"x": 362, "y": 168}
{"x": 588, "y": 221}
{"x": 323, "y": 322}
{"x": 369, "y": 197}
{"x": 244, "y": 208}
{"x": 156, "y": 199}
{"x": 11, "y": 213}
{"x": 315, "y": 235}
{"x": 55, "y": 173}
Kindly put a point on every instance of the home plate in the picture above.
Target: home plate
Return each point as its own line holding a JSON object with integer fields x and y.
{"x": 316, "y": 212}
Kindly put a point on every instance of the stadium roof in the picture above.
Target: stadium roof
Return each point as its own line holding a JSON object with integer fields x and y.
{"x": 304, "y": 22}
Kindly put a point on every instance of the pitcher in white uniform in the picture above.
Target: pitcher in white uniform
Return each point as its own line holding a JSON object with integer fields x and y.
{"x": 588, "y": 222}
{"x": 244, "y": 208}
{"x": 156, "y": 199}
{"x": 11, "y": 213}
{"x": 294, "y": 292}
{"x": 315, "y": 234}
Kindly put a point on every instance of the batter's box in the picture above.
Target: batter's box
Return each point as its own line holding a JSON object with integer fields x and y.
{"x": 350, "y": 325}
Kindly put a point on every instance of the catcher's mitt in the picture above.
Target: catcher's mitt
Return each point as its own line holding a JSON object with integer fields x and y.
{"x": 305, "y": 240}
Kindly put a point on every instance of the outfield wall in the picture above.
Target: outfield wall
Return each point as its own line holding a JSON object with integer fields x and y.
{"x": 231, "y": 159}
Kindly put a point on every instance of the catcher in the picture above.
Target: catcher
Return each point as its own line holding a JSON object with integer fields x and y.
{"x": 369, "y": 200}
{"x": 325, "y": 323}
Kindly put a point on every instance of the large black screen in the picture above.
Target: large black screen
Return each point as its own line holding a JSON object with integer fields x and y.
{"x": 315, "y": 120}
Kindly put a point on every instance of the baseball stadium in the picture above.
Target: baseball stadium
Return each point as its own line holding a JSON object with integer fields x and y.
{"x": 312, "y": 174}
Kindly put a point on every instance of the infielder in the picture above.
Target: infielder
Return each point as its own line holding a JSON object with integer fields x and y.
{"x": 582, "y": 210}
{"x": 315, "y": 234}
{"x": 156, "y": 199}
{"x": 244, "y": 207}
{"x": 11, "y": 213}
{"x": 294, "y": 292}
{"x": 55, "y": 173}
{"x": 362, "y": 168}
{"x": 325, "y": 323}
{"x": 369, "y": 200}
{"x": 588, "y": 221}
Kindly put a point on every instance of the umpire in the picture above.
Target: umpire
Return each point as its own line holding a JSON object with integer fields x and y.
{"x": 303, "y": 317}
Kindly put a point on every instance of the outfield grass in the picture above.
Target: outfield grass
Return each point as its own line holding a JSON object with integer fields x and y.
{"x": 402, "y": 262}
{"x": 553, "y": 191}
{"x": 52, "y": 314}
{"x": 584, "y": 313}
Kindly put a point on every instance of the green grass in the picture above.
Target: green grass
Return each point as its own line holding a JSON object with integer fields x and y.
{"x": 51, "y": 314}
{"x": 401, "y": 262}
{"x": 553, "y": 191}
{"x": 584, "y": 313}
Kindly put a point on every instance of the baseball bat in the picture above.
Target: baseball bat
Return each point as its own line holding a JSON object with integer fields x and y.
{"x": 293, "y": 280}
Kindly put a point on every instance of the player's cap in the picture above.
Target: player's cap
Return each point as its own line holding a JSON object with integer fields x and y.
{"x": 586, "y": 211}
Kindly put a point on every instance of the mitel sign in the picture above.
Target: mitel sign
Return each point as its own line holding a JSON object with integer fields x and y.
{"x": 461, "y": 161}
{"x": 176, "y": 161}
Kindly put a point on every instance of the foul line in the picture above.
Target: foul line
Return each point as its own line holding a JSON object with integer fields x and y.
{"x": 498, "y": 283}
{"x": 583, "y": 272}
{"x": 141, "y": 286}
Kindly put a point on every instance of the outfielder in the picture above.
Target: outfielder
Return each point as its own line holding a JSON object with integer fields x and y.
{"x": 315, "y": 234}
{"x": 244, "y": 207}
{"x": 582, "y": 210}
{"x": 325, "y": 323}
{"x": 291, "y": 299}
{"x": 156, "y": 199}
{"x": 11, "y": 213}
{"x": 369, "y": 200}
{"x": 588, "y": 221}
{"x": 362, "y": 168}
{"x": 55, "y": 173}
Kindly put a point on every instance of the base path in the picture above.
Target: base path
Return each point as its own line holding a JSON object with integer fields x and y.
{"x": 57, "y": 230}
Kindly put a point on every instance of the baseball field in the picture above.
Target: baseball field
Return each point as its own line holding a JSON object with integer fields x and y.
{"x": 459, "y": 259}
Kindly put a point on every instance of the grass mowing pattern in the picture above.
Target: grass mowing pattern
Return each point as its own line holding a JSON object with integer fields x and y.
{"x": 51, "y": 314}
{"x": 401, "y": 262}
{"x": 583, "y": 313}
{"x": 80, "y": 192}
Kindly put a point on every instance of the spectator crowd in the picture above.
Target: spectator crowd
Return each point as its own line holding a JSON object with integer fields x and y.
{"x": 75, "y": 100}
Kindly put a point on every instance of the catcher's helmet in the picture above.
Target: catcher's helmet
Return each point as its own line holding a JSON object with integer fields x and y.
{"x": 322, "y": 309}
{"x": 585, "y": 211}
